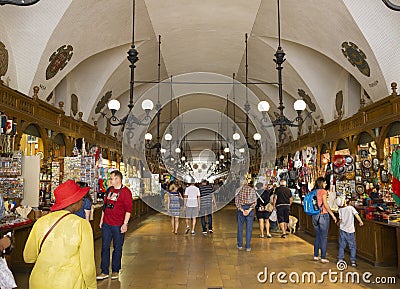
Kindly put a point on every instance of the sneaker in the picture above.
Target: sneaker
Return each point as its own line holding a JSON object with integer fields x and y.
{"x": 248, "y": 249}
{"x": 210, "y": 231}
{"x": 317, "y": 258}
{"x": 239, "y": 247}
{"x": 269, "y": 236}
{"x": 114, "y": 275}
{"x": 353, "y": 264}
{"x": 102, "y": 276}
{"x": 283, "y": 236}
{"x": 204, "y": 232}
{"x": 193, "y": 233}
{"x": 187, "y": 230}
{"x": 324, "y": 261}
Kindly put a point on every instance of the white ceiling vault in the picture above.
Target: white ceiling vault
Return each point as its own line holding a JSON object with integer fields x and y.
{"x": 203, "y": 36}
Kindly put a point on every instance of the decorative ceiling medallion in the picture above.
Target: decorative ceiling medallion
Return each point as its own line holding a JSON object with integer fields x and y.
{"x": 356, "y": 57}
{"x": 19, "y": 2}
{"x": 58, "y": 60}
{"x": 3, "y": 59}
{"x": 74, "y": 104}
{"x": 100, "y": 105}
{"x": 307, "y": 99}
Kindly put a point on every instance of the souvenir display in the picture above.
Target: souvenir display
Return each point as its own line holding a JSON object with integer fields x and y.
{"x": 12, "y": 188}
{"x": 11, "y": 165}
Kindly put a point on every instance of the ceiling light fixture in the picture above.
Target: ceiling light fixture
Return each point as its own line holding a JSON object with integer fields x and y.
{"x": 282, "y": 121}
{"x": 157, "y": 144}
{"x": 114, "y": 105}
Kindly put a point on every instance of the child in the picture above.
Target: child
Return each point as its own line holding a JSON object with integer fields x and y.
{"x": 346, "y": 221}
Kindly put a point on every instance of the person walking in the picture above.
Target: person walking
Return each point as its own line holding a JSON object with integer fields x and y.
{"x": 191, "y": 205}
{"x": 282, "y": 202}
{"x": 114, "y": 220}
{"x": 174, "y": 208}
{"x": 245, "y": 201}
{"x": 347, "y": 230}
{"x": 61, "y": 244}
{"x": 264, "y": 198}
{"x": 321, "y": 221}
{"x": 86, "y": 209}
{"x": 207, "y": 199}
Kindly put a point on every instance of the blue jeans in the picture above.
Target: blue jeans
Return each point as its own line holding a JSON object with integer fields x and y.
{"x": 344, "y": 239}
{"x": 209, "y": 221}
{"x": 109, "y": 233}
{"x": 249, "y": 227}
{"x": 321, "y": 226}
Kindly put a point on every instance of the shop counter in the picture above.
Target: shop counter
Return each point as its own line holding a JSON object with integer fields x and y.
{"x": 377, "y": 242}
{"x": 16, "y": 259}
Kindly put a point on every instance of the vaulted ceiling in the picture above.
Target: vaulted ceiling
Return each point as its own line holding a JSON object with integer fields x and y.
{"x": 79, "y": 47}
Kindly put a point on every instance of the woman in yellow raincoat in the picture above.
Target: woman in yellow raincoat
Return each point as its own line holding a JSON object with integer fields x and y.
{"x": 64, "y": 255}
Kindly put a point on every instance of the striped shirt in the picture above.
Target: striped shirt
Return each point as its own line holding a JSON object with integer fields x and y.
{"x": 206, "y": 192}
{"x": 246, "y": 195}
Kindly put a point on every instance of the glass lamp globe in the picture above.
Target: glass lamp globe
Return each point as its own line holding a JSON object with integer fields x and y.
{"x": 299, "y": 105}
{"x": 241, "y": 150}
{"x": 257, "y": 136}
{"x": 147, "y": 104}
{"x": 148, "y": 136}
{"x": 226, "y": 150}
{"x": 221, "y": 157}
{"x": 263, "y": 106}
{"x": 114, "y": 104}
{"x": 178, "y": 150}
{"x": 236, "y": 136}
{"x": 163, "y": 151}
{"x": 217, "y": 162}
{"x": 168, "y": 137}
{"x": 183, "y": 158}
{"x": 172, "y": 159}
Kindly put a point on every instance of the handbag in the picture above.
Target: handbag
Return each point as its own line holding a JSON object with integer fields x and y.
{"x": 273, "y": 216}
{"x": 6, "y": 277}
{"x": 269, "y": 207}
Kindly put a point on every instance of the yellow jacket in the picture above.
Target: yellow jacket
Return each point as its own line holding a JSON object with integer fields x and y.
{"x": 67, "y": 257}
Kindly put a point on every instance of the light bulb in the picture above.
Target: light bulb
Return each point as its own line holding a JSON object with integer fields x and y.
{"x": 241, "y": 150}
{"x": 178, "y": 150}
{"x": 257, "y": 136}
{"x": 299, "y": 105}
{"x": 148, "y": 136}
{"x": 226, "y": 150}
{"x": 217, "y": 162}
{"x": 236, "y": 136}
{"x": 163, "y": 151}
{"x": 221, "y": 157}
{"x": 183, "y": 158}
{"x": 114, "y": 104}
{"x": 168, "y": 136}
{"x": 263, "y": 106}
{"x": 147, "y": 104}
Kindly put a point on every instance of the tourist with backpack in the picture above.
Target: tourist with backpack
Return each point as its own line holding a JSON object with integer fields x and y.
{"x": 321, "y": 221}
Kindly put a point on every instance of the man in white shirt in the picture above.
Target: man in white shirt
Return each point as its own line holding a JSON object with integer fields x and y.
{"x": 191, "y": 205}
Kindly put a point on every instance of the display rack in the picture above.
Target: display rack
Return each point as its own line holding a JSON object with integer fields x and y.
{"x": 82, "y": 169}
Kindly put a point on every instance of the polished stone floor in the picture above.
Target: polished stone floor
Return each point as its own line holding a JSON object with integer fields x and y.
{"x": 155, "y": 258}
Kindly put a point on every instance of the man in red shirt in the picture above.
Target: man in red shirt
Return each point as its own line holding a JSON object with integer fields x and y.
{"x": 114, "y": 220}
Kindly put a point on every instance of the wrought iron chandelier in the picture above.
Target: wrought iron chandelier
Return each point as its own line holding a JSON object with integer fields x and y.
{"x": 282, "y": 122}
{"x": 114, "y": 105}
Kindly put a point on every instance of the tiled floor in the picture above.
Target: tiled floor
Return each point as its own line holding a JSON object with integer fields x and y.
{"x": 155, "y": 258}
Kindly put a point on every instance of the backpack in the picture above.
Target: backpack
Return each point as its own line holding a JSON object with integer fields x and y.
{"x": 310, "y": 203}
